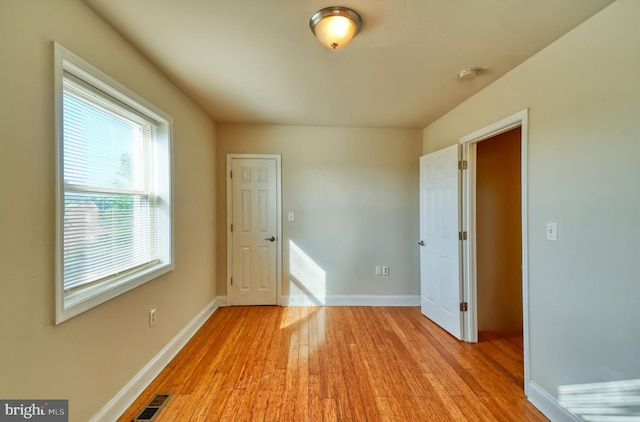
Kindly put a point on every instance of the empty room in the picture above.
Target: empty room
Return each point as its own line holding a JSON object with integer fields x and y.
{"x": 218, "y": 210}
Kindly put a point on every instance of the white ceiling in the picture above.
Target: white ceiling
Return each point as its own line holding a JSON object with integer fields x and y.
{"x": 256, "y": 61}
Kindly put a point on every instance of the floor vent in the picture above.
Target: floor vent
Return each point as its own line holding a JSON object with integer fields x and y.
{"x": 152, "y": 408}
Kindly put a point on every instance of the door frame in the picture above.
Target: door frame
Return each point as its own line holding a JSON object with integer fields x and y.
{"x": 278, "y": 158}
{"x": 469, "y": 268}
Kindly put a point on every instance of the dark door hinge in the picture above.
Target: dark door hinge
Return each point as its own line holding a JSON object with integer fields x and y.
{"x": 464, "y": 306}
{"x": 463, "y": 164}
{"x": 462, "y": 235}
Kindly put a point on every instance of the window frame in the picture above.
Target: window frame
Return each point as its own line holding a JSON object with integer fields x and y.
{"x": 79, "y": 300}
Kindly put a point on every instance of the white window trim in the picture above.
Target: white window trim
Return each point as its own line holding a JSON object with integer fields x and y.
{"x": 72, "y": 305}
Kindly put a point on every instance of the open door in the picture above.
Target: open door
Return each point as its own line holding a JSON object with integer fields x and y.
{"x": 440, "y": 284}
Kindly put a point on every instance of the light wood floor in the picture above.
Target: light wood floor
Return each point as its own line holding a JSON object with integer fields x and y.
{"x": 339, "y": 364}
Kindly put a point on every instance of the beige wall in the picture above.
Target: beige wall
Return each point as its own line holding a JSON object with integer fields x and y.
{"x": 583, "y": 97}
{"x": 89, "y": 358}
{"x": 355, "y": 196}
{"x": 498, "y": 232}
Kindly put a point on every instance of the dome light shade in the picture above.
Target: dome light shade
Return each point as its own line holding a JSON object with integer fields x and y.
{"x": 335, "y": 26}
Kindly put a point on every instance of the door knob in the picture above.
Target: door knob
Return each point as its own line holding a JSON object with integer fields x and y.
{"x": 421, "y": 243}
{"x": 270, "y": 239}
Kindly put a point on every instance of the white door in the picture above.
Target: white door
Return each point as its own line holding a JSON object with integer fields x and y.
{"x": 254, "y": 231}
{"x": 439, "y": 242}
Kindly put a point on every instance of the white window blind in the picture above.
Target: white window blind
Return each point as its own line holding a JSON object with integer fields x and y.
{"x": 114, "y": 205}
{"x": 110, "y": 224}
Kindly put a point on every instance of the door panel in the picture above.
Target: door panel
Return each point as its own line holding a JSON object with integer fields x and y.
{"x": 254, "y": 213}
{"x": 440, "y": 256}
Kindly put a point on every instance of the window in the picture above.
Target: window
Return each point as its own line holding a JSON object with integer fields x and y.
{"x": 114, "y": 226}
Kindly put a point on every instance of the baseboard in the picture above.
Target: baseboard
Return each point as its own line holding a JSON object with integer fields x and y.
{"x": 351, "y": 300}
{"x": 127, "y": 395}
{"x": 548, "y": 405}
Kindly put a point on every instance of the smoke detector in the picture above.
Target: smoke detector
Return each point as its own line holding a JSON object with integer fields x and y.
{"x": 468, "y": 74}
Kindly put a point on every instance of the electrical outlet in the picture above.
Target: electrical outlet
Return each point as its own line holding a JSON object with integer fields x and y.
{"x": 152, "y": 317}
{"x": 552, "y": 231}
{"x": 385, "y": 270}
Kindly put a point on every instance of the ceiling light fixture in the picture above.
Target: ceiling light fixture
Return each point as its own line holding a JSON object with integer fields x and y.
{"x": 335, "y": 26}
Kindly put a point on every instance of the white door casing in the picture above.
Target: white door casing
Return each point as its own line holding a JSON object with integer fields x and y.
{"x": 468, "y": 144}
{"x": 440, "y": 284}
{"x": 254, "y": 229}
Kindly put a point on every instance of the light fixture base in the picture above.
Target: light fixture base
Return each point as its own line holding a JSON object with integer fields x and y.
{"x": 333, "y": 35}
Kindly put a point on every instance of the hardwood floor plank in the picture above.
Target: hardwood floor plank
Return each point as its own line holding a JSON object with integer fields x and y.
{"x": 218, "y": 405}
{"x": 397, "y": 406}
{"x": 339, "y": 364}
{"x": 204, "y": 388}
{"x": 498, "y": 412}
{"x": 329, "y": 410}
{"x": 504, "y": 350}
{"x": 473, "y": 409}
{"x": 291, "y": 380}
{"x": 335, "y": 346}
{"x": 201, "y": 412}
{"x": 384, "y": 409}
{"x": 250, "y": 390}
{"x": 315, "y": 398}
{"x": 231, "y": 411}
{"x": 302, "y": 393}
{"x": 361, "y": 397}
{"x": 453, "y": 412}
{"x": 274, "y": 406}
{"x": 314, "y": 337}
{"x": 259, "y": 411}
{"x": 208, "y": 350}
{"x": 173, "y": 408}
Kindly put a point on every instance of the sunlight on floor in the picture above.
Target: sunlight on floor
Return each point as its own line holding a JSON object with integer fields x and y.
{"x": 307, "y": 325}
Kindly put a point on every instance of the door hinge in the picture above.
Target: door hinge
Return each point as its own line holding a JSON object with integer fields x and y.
{"x": 464, "y": 306}
{"x": 463, "y": 164}
{"x": 231, "y": 227}
{"x": 232, "y": 281}
{"x": 462, "y": 235}
{"x": 231, "y": 174}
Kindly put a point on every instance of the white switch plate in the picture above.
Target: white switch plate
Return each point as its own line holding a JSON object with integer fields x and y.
{"x": 378, "y": 270}
{"x": 152, "y": 317}
{"x": 552, "y": 231}
{"x": 292, "y": 216}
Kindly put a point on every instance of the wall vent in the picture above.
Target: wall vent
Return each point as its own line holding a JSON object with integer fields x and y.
{"x": 152, "y": 408}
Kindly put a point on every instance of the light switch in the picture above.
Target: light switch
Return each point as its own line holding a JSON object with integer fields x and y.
{"x": 552, "y": 231}
{"x": 292, "y": 216}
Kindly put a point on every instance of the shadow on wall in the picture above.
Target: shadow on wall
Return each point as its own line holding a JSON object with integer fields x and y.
{"x": 603, "y": 401}
{"x": 307, "y": 279}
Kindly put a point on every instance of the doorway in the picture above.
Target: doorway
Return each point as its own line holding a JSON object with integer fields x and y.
{"x": 499, "y": 251}
{"x": 499, "y": 233}
{"x": 254, "y": 229}
{"x": 494, "y": 212}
